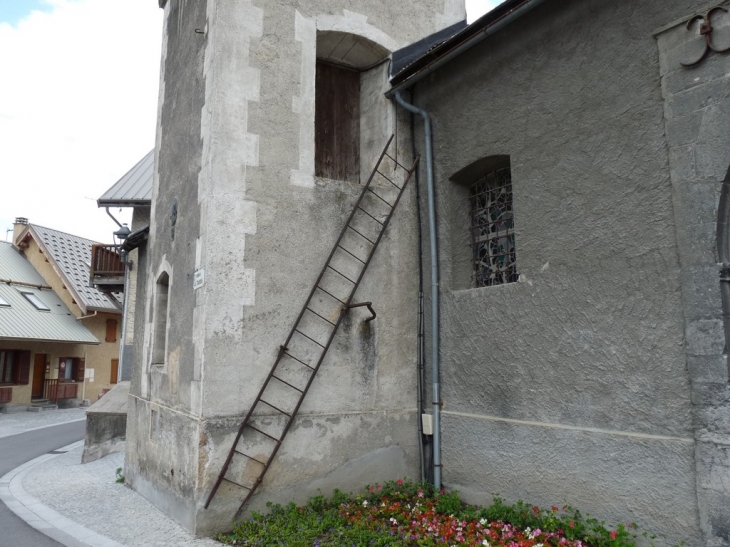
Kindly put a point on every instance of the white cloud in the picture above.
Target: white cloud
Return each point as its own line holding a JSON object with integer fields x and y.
{"x": 78, "y": 108}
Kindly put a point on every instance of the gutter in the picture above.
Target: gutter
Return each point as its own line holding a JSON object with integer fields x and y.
{"x": 434, "y": 288}
{"x": 491, "y": 28}
{"x": 513, "y": 10}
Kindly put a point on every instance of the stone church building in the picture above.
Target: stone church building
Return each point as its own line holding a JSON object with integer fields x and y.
{"x": 559, "y": 258}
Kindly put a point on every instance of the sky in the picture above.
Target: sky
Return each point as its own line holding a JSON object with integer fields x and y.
{"x": 78, "y": 106}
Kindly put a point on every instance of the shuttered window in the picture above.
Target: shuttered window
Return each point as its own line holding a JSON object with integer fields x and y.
{"x": 337, "y": 123}
{"x": 111, "y": 330}
{"x": 14, "y": 367}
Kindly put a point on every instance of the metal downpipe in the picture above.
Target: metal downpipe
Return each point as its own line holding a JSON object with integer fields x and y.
{"x": 434, "y": 288}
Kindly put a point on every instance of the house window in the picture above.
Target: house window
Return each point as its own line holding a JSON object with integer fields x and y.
{"x": 159, "y": 348}
{"x": 337, "y": 123}
{"x": 7, "y": 362}
{"x": 14, "y": 367}
{"x": 37, "y": 302}
{"x": 71, "y": 369}
{"x": 493, "y": 230}
{"x": 4, "y": 303}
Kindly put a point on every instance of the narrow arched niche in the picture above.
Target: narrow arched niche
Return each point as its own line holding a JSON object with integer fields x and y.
{"x": 161, "y": 312}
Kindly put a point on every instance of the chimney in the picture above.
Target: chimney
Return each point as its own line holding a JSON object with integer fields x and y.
{"x": 18, "y": 226}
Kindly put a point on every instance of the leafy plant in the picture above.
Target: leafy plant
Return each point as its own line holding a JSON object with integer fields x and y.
{"x": 120, "y": 475}
{"x": 406, "y": 514}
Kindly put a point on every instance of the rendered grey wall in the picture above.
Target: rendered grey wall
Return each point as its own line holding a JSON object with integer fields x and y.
{"x": 572, "y": 384}
{"x": 164, "y": 467}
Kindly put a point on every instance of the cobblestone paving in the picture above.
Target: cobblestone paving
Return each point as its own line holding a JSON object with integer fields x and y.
{"x": 89, "y": 495}
{"x": 20, "y": 422}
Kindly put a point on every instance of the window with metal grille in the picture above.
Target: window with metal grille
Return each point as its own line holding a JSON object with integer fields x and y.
{"x": 493, "y": 230}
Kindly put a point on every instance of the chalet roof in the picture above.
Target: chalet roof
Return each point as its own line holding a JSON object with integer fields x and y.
{"x": 134, "y": 188}
{"x": 71, "y": 256}
{"x": 20, "y": 319}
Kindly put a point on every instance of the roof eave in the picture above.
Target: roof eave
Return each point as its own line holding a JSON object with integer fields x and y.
{"x": 488, "y": 24}
{"x": 48, "y": 340}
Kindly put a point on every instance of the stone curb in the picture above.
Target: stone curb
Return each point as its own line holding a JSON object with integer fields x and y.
{"x": 41, "y": 517}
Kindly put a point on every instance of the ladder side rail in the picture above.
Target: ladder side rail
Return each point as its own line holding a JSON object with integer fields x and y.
{"x": 329, "y": 341}
{"x": 382, "y": 231}
{"x": 339, "y": 239}
{"x": 245, "y": 421}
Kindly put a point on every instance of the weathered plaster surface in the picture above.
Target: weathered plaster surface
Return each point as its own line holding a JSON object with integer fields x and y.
{"x": 236, "y": 120}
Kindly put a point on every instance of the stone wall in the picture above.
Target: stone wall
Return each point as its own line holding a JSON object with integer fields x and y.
{"x": 697, "y": 118}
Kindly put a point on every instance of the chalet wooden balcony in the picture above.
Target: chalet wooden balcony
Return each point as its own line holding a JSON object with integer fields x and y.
{"x": 107, "y": 269}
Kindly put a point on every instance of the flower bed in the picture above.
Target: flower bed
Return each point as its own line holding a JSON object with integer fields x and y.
{"x": 402, "y": 513}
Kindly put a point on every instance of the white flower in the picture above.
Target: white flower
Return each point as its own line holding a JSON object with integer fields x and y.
{"x": 482, "y": 521}
{"x": 365, "y": 503}
{"x": 485, "y": 542}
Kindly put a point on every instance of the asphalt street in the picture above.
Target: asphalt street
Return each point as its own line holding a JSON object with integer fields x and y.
{"x": 18, "y": 449}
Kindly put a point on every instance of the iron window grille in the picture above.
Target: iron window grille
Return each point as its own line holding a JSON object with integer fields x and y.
{"x": 493, "y": 230}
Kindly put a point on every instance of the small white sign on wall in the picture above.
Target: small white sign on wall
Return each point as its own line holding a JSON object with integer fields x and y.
{"x": 89, "y": 374}
{"x": 198, "y": 279}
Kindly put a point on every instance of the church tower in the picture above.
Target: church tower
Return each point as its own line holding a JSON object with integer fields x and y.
{"x": 271, "y": 117}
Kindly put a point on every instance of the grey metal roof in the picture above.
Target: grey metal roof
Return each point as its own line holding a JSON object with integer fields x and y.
{"x": 15, "y": 267}
{"x": 134, "y": 188}
{"x": 21, "y": 320}
{"x": 72, "y": 255}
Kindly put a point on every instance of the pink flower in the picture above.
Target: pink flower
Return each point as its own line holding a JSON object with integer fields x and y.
{"x": 399, "y": 482}
{"x": 613, "y": 534}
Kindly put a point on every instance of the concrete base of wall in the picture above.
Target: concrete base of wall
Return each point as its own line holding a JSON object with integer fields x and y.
{"x": 106, "y": 424}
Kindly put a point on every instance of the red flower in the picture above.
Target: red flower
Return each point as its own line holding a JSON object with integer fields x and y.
{"x": 536, "y": 509}
{"x": 399, "y": 482}
{"x": 613, "y": 534}
{"x": 571, "y": 524}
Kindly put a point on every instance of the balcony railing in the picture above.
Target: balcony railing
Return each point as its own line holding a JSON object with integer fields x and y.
{"x": 107, "y": 267}
{"x": 53, "y": 390}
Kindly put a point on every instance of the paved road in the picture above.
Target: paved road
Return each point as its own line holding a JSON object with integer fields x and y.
{"x": 18, "y": 449}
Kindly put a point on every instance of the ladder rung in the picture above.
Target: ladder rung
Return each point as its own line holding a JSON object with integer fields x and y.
{"x": 321, "y": 317}
{"x": 298, "y": 360}
{"x": 353, "y": 229}
{"x": 351, "y": 254}
{"x": 368, "y": 214}
{"x": 343, "y": 275}
{"x": 267, "y": 403}
{"x": 237, "y": 484}
{"x": 332, "y": 295}
{"x": 249, "y": 457}
{"x": 305, "y": 336}
{"x": 287, "y": 383}
{"x": 390, "y": 181}
{"x": 381, "y": 199}
{"x": 278, "y": 441}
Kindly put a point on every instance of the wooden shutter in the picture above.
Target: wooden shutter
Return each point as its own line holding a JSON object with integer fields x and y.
{"x": 337, "y": 123}
{"x": 22, "y": 371}
{"x": 79, "y": 369}
{"x": 111, "y": 330}
{"x": 115, "y": 371}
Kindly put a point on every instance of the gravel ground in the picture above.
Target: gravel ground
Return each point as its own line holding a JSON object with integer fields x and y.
{"x": 89, "y": 495}
{"x": 20, "y": 422}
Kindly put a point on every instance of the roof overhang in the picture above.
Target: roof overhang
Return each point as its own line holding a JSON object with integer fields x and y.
{"x": 485, "y": 26}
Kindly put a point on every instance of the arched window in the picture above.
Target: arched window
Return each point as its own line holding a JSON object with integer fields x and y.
{"x": 161, "y": 311}
{"x": 483, "y": 225}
